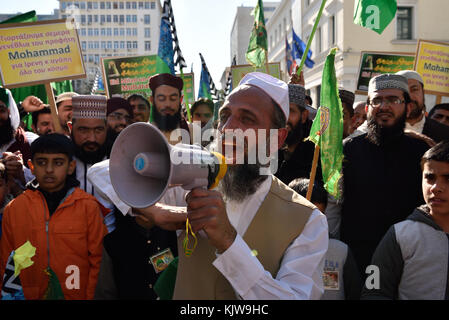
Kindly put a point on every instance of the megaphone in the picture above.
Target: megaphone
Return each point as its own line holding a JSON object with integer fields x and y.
{"x": 143, "y": 165}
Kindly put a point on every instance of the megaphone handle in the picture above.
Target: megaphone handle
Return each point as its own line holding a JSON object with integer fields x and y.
{"x": 188, "y": 251}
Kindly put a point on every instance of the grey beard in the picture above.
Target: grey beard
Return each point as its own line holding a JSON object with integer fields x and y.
{"x": 241, "y": 181}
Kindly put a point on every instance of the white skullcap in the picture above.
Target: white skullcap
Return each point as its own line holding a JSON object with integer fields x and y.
{"x": 275, "y": 88}
{"x": 387, "y": 81}
{"x": 410, "y": 74}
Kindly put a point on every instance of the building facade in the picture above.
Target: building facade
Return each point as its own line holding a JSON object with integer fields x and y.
{"x": 415, "y": 19}
{"x": 112, "y": 29}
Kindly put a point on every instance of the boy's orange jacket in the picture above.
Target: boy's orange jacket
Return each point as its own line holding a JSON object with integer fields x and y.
{"x": 74, "y": 241}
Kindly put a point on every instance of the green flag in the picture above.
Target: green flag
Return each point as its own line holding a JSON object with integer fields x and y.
{"x": 327, "y": 128}
{"x": 29, "y": 16}
{"x": 374, "y": 14}
{"x": 258, "y": 41}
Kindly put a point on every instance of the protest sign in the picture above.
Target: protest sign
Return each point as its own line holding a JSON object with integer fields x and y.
{"x": 432, "y": 63}
{"x": 238, "y": 72}
{"x": 39, "y": 52}
{"x": 375, "y": 63}
{"x": 125, "y": 76}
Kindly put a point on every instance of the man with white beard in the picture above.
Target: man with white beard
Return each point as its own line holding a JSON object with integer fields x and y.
{"x": 263, "y": 240}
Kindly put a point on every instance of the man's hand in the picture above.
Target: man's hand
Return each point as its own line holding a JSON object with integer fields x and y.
{"x": 14, "y": 165}
{"x": 164, "y": 216}
{"x": 206, "y": 210}
{"x": 297, "y": 79}
{"x": 32, "y": 103}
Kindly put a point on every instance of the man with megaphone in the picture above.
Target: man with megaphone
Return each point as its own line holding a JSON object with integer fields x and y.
{"x": 257, "y": 238}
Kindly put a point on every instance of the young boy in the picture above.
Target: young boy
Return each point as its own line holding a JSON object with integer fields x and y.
{"x": 61, "y": 221}
{"x": 340, "y": 275}
{"x": 413, "y": 255}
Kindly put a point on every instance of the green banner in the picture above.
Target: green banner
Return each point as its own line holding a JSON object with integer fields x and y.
{"x": 327, "y": 128}
{"x": 125, "y": 76}
{"x": 238, "y": 72}
{"x": 375, "y": 63}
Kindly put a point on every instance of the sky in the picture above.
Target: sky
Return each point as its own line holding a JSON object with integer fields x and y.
{"x": 202, "y": 26}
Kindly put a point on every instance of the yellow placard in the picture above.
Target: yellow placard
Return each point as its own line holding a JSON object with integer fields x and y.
{"x": 432, "y": 63}
{"x": 39, "y": 52}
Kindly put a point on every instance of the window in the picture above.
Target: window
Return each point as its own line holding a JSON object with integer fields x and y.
{"x": 128, "y": 5}
{"x": 83, "y": 32}
{"x": 134, "y": 5}
{"x": 333, "y": 32}
{"x": 109, "y": 44}
{"x": 109, "y": 32}
{"x": 134, "y": 18}
{"x": 318, "y": 40}
{"x": 116, "y": 32}
{"x": 103, "y": 44}
{"x": 146, "y": 19}
{"x": 115, "y": 18}
{"x": 121, "y": 5}
{"x": 122, "y": 44}
{"x": 94, "y": 5}
{"x": 129, "y": 45}
{"x": 128, "y": 18}
{"x": 82, "y": 5}
{"x": 91, "y": 58}
{"x": 108, "y": 18}
{"x": 108, "y": 5}
{"x": 404, "y": 23}
{"x": 128, "y": 32}
{"x": 96, "y": 45}
{"x": 122, "y": 18}
{"x": 63, "y": 16}
{"x": 147, "y": 33}
{"x": 96, "y": 32}
{"x": 140, "y": 5}
{"x": 134, "y": 44}
{"x": 83, "y": 19}
{"x": 63, "y": 5}
{"x": 115, "y": 5}
{"x": 122, "y": 32}
{"x": 147, "y": 45}
{"x": 83, "y": 45}
{"x": 102, "y": 5}
{"x": 147, "y": 5}
{"x": 95, "y": 18}
{"x": 116, "y": 44}
{"x": 89, "y": 19}
{"x": 153, "y": 5}
{"x": 90, "y": 32}
{"x": 97, "y": 59}
{"x": 90, "y": 45}
{"x": 135, "y": 32}
{"x": 103, "y": 31}
{"x": 102, "y": 18}
{"x": 84, "y": 58}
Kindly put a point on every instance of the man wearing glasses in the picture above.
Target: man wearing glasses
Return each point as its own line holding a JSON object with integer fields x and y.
{"x": 381, "y": 170}
{"x": 119, "y": 115}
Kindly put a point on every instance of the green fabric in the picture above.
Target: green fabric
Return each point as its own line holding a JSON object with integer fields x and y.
{"x": 165, "y": 284}
{"x": 54, "y": 290}
{"x": 327, "y": 128}
{"x": 258, "y": 41}
{"x": 29, "y": 16}
{"x": 374, "y": 14}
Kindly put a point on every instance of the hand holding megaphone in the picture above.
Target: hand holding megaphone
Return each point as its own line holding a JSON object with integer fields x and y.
{"x": 206, "y": 211}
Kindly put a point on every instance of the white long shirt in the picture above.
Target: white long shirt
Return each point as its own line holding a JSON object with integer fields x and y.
{"x": 300, "y": 273}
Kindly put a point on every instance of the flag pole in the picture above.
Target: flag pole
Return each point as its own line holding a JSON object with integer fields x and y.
{"x": 313, "y": 172}
{"x": 304, "y": 55}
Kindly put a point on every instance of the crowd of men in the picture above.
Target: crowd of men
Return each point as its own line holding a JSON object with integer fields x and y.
{"x": 258, "y": 237}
